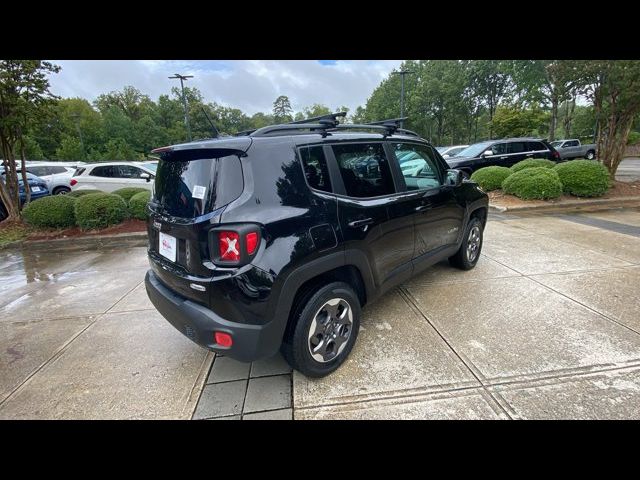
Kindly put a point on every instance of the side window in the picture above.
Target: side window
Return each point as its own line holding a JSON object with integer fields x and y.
{"x": 127, "y": 171}
{"x": 418, "y": 167}
{"x": 55, "y": 170}
{"x": 536, "y": 147}
{"x": 572, "y": 143}
{"x": 517, "y": 147}
{"x": 104, "y": 171}
{"x": 315, "y": 168}
{"x": 499, "y": 148}
{"x": 364, "y": 169}
{"x": 38, "y": 171}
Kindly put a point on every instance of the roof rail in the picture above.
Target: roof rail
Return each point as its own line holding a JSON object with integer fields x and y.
{"x": 322, "y": 127}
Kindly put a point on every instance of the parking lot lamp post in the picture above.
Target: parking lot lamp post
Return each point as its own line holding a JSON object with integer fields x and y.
{"x": 402, "y": 73}
{"x": 184, "y": 101}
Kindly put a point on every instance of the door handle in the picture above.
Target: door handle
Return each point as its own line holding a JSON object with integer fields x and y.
{"x": 422, "y": 208}
{"x": 361, "y": 223}
{"x": 503, "y": 158}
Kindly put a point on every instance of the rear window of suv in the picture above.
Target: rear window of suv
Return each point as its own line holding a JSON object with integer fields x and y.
{"x": 191, "y": 188}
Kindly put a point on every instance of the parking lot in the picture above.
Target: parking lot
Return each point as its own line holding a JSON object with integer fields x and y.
{"x": 547, "y": 326}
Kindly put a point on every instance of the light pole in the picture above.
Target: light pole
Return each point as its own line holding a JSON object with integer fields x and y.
{"x": 76, "y": 117}
{"x": 184, "y": 101}
{"x": 402, "y": 73}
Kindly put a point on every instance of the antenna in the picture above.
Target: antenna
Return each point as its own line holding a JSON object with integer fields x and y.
{"x": 216, "y": 133}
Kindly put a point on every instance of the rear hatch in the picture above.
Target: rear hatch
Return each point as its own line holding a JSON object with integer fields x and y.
{"x": 192, "y": 187}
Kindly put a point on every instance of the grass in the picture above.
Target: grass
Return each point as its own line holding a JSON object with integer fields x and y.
{"x": 12, "y": 232}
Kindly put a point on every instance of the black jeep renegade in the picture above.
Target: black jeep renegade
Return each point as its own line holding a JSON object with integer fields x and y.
{"x": 276, "y": 238}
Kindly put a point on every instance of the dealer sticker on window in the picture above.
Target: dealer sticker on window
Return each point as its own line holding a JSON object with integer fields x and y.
{"x": 198, "y": 192}
{"x": 167, "y": 246}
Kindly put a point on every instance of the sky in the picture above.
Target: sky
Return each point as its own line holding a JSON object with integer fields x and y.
{"x": 250, "y": 85}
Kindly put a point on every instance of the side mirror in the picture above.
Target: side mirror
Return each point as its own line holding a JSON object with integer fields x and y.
{"x": 487, "y": 153}
{"x": 146, "y": 176}
{"x": 454, "y": 178}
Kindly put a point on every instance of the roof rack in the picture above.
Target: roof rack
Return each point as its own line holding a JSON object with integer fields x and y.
{"x": 331, "y": 118}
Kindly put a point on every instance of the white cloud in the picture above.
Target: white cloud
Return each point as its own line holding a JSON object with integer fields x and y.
{"x": 251, "y": 85}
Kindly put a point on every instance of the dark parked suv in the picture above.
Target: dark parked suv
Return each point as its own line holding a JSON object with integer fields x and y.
{"x": 503, "y": 153}
{"x": 276, "y": 238}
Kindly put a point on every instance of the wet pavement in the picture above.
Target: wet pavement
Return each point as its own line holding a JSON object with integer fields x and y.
{"x": 546, "y": 326}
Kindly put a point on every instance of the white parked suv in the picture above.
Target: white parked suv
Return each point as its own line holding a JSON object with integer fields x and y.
{"x": 112, "y": 176}
{"x": 56, "y": 174}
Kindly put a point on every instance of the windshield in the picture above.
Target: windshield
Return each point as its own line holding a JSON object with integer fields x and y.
{"x": 441, "y": 149}
{"x": 474, "y": 150}
{"x": 151, "y": 166}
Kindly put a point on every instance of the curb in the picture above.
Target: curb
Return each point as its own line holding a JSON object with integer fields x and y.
{"x": 572, "y": 206}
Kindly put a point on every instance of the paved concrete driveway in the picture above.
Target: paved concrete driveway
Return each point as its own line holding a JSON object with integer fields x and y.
{"x": 546, "y": 326}
{"x": 629, "y": 170}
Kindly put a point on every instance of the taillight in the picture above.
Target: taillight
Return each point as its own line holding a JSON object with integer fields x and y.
{"x": 252, "y": 242}
{"x": 229, "y": 243}
{"x": 73, "y": 182}
{"x": 235, "y": 245}
{"x": 556, "y": 154}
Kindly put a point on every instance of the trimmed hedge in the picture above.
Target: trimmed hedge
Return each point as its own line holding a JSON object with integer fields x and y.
{"x": 583, "y": 178}
{"x": 82, "y": 193}
{"x": 129, "y": 192}
{"x": 532, "y": 163}
{"x": 533, "y": 183}
{"x": 490, "y": 178}
{"x": 138, "y": 205}
{"x": 56, "y": 211}
{"x": 100, "y": 210}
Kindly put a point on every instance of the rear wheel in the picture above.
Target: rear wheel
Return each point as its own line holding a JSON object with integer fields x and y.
{"x": 324, "y": 331}
{"x": 469, "y": 253}
{"x": 61, "y": 190}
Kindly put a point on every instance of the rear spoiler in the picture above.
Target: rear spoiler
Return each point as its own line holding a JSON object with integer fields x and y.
{"x": 205, "y": 149}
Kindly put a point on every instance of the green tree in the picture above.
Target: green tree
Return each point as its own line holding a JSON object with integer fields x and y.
{"x": 515, "y": 122}
{"x": 614, "y": 88}
{"x": 24, "y": 100}
{"x": 316, "y": 110}
{"x": 282, "y": 109}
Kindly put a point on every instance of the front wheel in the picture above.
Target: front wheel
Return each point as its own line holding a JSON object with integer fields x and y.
{"x": 591, "y": 155}
{"x": 467, "y": 256}
{"x": 325, "y": 329}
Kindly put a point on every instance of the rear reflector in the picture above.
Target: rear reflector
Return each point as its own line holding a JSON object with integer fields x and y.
{"x": 73, "y": 182}
{"x": 223, "y": 339}
{"x": 252, "y": 242}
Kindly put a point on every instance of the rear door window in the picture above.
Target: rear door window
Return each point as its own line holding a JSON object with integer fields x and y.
{"x": 364, "y": 169}
{"x": 106, "y": 171}
{"x": 315, "y": 168}
{"x": 536, "y": 146}
{"x": 517, "y": 147}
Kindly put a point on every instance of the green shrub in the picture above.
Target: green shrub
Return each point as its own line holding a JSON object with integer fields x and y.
{"x": 138, "y": 205}
{"x": 128, "y": 192}
{"x": 56, "y": 211}
{"x": 82, "y": 193}
{"x": 100, "y": 210}
{"x": 634, "y": 138}
{"x": 532, "y": 163}
{"x": 583, "y": 178}
{"x": 533, "y": 183}
{"x": 490, "y": 178}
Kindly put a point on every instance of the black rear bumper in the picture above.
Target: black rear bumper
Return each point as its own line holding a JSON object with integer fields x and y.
{"x": 198, "y": 323}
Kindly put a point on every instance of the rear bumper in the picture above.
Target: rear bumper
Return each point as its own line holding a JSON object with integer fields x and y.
{"x": 198, "y": 323}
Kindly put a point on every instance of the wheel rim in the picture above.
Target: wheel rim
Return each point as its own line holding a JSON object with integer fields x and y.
{"x": 330, "y": 330}
{"x": 473, "y": 243}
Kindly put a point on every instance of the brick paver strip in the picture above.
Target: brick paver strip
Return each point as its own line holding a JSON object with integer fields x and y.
{"x": 221, "y": 399}
{"x": 284, "y": 414}
{"x": 226, "y": 369}
{"x": 268, "y": 393}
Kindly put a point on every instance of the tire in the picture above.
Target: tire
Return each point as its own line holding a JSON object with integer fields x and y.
{"x": 61, "y": 190}
{"x": 590, "y": 155}
{"x": 337, "y": 303}
{"x": 466, "y": 258}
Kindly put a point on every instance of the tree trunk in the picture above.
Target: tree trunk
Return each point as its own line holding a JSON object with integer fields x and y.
{"x": 9, "y": 188}
{"x": 614, "y": 141}
{"x": 554, "y": 118}
{"x": 568, "y": 117}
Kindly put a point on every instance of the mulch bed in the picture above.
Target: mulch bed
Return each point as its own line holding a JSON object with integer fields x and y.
{"x": 619, "y": 190}
{"x": 128, "y": 226}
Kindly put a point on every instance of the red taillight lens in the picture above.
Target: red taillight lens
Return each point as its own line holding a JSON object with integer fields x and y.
{"x": 252, "y": 242}
{"x": 229, "y": 243}
{"x": 223, "y": 339}
{"x": 556, "y": 155}
{"x": 73, "y": 182}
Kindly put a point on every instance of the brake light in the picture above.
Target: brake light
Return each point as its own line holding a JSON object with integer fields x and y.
{"x": 556, "y": 154}
{"x": 252, "y": 242}
{"x": 73, "y": 182}
{"x": 229, "y": 243}
{"x": 223, "y": 339}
